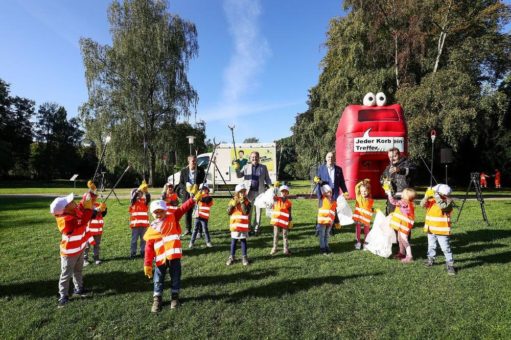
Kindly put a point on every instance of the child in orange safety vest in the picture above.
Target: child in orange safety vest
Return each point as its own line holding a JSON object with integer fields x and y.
{"x": 402, "y": 220}
{"x": 326, "y": 216}
{"x": 72, "y": 220}
{"x": 439, "y": 207}
{"x": 239, "y": 210}
{"x": 281, "y": 219}
{"x": 203, "y": 210}
{"x": 96, "y": 231}
{"x": 363, "y": 210}
{"x": 139, "y": 218}
{"x": 163, "y": 246}
{"x": 170, "y": 197}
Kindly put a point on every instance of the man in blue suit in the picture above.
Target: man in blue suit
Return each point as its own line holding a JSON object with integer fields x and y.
{"x": 331, "y": 174}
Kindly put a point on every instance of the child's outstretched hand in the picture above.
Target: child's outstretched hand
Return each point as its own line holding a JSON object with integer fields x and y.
{"x": 232, "y": 203}
{"x": 148, "y": 271}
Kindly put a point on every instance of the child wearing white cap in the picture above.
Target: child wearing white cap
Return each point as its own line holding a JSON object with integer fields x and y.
{"x": 281, "y": 219}
{"x": 326, "y": 216}
{"x": 163, "y": 246}
{"x": 203, "y": 210}
{"x": 239, "y": 210}
{"x": 439, "y": 206}
{"x": 72, "y": 220}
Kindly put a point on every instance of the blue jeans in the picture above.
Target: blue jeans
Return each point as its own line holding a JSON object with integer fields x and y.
{"x": 137, "y": 233}
{"x": 200, "y": 223}
{"x": 234, "y": 243}
{"x": 175, "y": 277}
{"x": 443, "y": 240}
{"x": 324, "y": 235}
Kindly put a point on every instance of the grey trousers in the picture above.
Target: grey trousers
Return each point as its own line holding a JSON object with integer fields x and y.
{"x": 257, "y": 223}
{"x": 70, "y": 266}
{"x": 97, "y": 238}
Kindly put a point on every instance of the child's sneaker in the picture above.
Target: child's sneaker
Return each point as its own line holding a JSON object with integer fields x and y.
{"x": 273, "y": 251}
{"x": 83, "y": 293}
{"x": 407, "y": 260}
{"x": 174, "y": 302}
{"x": 244, "y": 261}
{"x": 209, "y": 245}
{"x": 85, "y": 263}
{"x": 399, "y": 256}
{"x": 156, "y": 304}
{"x": 230, "y": 261}
{"x": 358, "y": 245}
{"x": 451, "y": 270}
{"x": 98, "y": 262}
{"x": 429, "y": 262}
{"x": 63, "y": 302}
{"x": 287, "y": 252}
{"x": 190, "y": 245}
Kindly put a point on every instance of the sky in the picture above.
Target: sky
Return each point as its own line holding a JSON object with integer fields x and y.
{"x": 257, "y": 58}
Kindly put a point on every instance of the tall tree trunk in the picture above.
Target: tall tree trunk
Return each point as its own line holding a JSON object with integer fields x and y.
{"x": 396, "y": 61}
{"x": 441, "y": 38}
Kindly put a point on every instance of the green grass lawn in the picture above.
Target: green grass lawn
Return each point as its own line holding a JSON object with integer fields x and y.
{"x": 351, "y": 294}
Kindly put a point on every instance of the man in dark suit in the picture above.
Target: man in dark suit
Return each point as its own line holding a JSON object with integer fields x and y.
{"x": 189, "y": 176}
{"x": 331, "y": 174}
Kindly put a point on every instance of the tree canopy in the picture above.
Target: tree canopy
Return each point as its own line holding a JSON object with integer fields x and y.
{"x": 444, "y": 61}
{"x": 138, "y": 87}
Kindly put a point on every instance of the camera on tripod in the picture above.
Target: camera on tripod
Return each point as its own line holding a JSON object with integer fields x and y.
{"x": 474, "y": 176}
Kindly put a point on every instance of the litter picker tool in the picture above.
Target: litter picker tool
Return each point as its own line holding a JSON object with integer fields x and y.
{"x": 107, "y": 140}
{"x": 117, "y": 183}
{"x": 474, "y": 180}
{"x": 233, "y": 142}
{"x": 433, "y": 137}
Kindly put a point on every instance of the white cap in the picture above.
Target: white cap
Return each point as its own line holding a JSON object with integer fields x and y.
{"x": 442, "y": 189}
{"x": 284, "y": 187}
{"x": 325, "y": 188}
{"x": 59, "y": 203}
{"x": 169, "y": 180}
{"x": 203, "y": 186}
{"x": 157, "y": 205}
{"x": 240, "y": 187}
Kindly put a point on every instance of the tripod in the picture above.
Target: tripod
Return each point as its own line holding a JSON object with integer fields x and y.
{"x": 474, "y": 180}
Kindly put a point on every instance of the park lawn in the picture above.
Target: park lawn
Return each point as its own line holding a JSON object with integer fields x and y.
{"x": 351, "y": 294}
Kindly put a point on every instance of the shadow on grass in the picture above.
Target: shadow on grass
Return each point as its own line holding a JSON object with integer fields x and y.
{"x": 216, "y": 280}
{"x": 499, "y": 258}
{"x": 283, "y": 287}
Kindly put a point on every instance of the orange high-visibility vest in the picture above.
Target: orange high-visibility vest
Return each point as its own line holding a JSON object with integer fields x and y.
{"x": 73, "y": 242}
{"x": 280, "y": 213}
{"x": 326, "y": 213}
{"x": 401, "y": 222}
{"x": 437, "y": 222}
{"x": 96, "y": 224}
{"x": 239, "y": 221}
{"x": 204, "y": 209}
{"x": 171, "y": 208}
{"x": 167, "y": 241}
{"x": 138, "y": 214}
{"x": 363, "y": 211}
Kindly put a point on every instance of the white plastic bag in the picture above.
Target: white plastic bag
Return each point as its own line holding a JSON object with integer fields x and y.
{"x": 344, "y": 211}
{"x": 265, "y": 201}
{"x": 380, "y": 238}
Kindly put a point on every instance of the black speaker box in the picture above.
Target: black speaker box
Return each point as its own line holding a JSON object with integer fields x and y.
{"x": 446, "y": 156}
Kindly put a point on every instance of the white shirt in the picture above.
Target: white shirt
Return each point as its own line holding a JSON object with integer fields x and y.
{"x": 331, "y": 173}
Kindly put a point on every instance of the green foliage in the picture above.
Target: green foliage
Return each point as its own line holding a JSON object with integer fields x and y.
{"x": 15, "y": 132}
{"x": 251, "y": 140}
{"x": 138, "y": 87}
{"x": 286, "y": 156}
{"x": 351, "y": 294}
{"x": 444, "y": 61}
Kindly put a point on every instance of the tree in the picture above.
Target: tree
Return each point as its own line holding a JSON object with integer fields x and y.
{"x": 15, "y": 132}
{"x": 443, "y": 60}
{"x": 58, "y": 142}
{"x": 138, "y": 87}
{"x": 251, "y": 140}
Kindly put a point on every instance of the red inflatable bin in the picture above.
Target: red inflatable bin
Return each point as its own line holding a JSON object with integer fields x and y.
{"x": 364, "y": 135}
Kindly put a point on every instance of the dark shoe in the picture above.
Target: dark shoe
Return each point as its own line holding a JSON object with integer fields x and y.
{"x": 450, "y": 270}
{"x": 251, "y": 233}
{"x": 429, "y": 262}
{"x": 257, "y": 232}
{"x": 174, "y": 302}
{"x": 156, "y": 304}
{"x": 188, "y": 232}
{"x": 63, "y": 302}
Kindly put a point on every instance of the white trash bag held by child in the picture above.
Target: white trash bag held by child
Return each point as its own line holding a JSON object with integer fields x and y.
{"x": 265, "y": 201}
{"x": 380, "y": 238}
{"x": 344, "y": 211}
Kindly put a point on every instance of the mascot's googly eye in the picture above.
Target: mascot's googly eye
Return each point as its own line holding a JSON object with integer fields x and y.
{"x": 381, "y": 99}
{"x": 369, "y": 99}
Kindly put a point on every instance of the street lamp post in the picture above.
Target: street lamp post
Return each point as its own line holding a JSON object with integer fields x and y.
{"x": 191, "y": 139}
